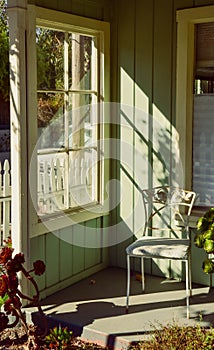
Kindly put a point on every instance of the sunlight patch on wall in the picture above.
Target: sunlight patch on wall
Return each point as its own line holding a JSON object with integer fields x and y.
{"x": 134, "y": 164}
{"x": 141, "y": 100}
{"x": 167, "y": 167}
{"x": 126, "y": 200}
{"x": 126, "y": 89}
{"x": 149, "y": 151}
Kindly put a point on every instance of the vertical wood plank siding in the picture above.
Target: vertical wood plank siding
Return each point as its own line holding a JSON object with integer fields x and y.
{"x": 162, "y": 95}
{"x": 143, "y": 67}
{"x": 146, "y": 50}
{"x": 89, "y": 8}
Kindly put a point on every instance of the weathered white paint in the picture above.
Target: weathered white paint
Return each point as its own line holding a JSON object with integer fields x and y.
{"x": 16, "y": 13}
{"x": 18, "y": 118}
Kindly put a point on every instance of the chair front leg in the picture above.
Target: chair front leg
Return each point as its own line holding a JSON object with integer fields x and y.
{"x": 142, "y": 274}
{"x": 190, "y": 275}
{"x": 187, "y": 288}
{"x": 128, "y": 283}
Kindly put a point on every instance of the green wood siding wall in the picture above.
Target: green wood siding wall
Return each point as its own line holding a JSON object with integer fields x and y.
{"x": 89, "y": 8}
{"x": 143, "y": 42}
{"x": 69, "y": 254}
{"x": 143, "y": 71}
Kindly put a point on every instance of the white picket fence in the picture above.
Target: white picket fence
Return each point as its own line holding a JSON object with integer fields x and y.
{"x": 5, "y": 200}
{"x": 65, "y": 182}
{"x": 62, "y": 183}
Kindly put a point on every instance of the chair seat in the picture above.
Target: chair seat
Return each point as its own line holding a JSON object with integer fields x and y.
{"x": 156, "y": 247}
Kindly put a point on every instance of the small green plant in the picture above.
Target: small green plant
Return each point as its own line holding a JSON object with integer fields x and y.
{"x": 205, "y": 239}
{"x": 59, "y": 338}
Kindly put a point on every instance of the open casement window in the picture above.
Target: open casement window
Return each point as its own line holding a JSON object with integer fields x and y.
{"x": 195, "y": 100}
{"x": 71, "y": 73}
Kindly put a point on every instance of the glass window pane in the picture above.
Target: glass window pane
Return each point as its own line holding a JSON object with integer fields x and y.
{"x": 50, "y": 59}
{"x": 82, "y": 120}
{"x": 52, "y": 190}
{"x": 82, "y": 61}
{"x": 50, "y": 118}
{"x": 67, "y": 120}
{"x": 82, "y": 177}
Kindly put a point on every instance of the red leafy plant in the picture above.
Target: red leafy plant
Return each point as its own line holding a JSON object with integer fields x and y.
{"x": 12, "y": 297}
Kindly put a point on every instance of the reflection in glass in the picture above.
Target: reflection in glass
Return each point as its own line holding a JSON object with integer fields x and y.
{"x": 50, "y": 59}
{"x": 80, "y": 61}
{"x": 67, "y": 119}
{"x": 82, "y": 177}
{"x": 50, "y": 118}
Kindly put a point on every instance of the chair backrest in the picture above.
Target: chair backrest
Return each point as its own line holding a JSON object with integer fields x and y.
{"x": 167, "y": 209}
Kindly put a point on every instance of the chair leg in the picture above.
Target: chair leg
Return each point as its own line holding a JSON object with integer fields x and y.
{"x": 187, "y": 287}
{"x": 128, "y": 283}
{"x": 142, "y": 274}
{"x": 190, "y": 276}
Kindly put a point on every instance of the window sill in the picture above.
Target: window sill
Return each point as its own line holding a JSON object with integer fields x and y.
{"x": 68, "y": 219}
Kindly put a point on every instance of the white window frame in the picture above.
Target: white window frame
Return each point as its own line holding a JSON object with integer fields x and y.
{"x": 63, "y": 21}
{"x": 186, "y": 20}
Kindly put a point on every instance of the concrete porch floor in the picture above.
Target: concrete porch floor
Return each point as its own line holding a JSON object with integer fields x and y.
{"x": 95, "y": 307}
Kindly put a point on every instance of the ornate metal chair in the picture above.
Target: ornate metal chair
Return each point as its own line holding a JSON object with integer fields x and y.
{"x": 166, "y": 231}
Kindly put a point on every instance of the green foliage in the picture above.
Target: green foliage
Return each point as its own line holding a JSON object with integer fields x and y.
{"x": 3, "y": 300}
{"x": 199, "y": 240}
{"x": 209, "y": 234}
{"x": 50, "y": 59}
{"x": 205, "y": 238}
{"x": 59, "y": 338}
{"x": 50, "y": 73}
{"x": 174, "y": 337}
{"x": 4, "y": 52}
{"x": 209, "y": 246}
{"x": 208, "y": 266}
